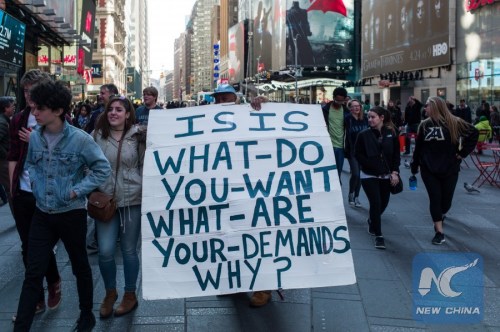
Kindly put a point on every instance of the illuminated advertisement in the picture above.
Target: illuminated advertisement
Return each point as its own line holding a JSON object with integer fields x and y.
{"x": 236, "y": 53}
{"x": 43, "y": 56}
{"x": 87, "y": 34}
{"x": 12, "y": 34}
{"x": 279, "y": 34}
{"x": 404, "y": 35}
{"x": 320, "y": 33}
{"x": 216, "y": 52}
{"x": 476, "y": 41}
{"x": 262, "y": 35}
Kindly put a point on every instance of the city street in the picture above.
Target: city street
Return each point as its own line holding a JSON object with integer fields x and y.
{"x": 380, "y": 301}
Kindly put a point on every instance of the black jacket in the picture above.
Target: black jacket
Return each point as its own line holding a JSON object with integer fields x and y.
{"x": 378, "y": 151}
{"x": 4, "y": 136}
{"x": 435, "y": 151}
{"x": 464, "y": 113}
{"x": 413, "y": 113}
{"x": 352, "y": 128}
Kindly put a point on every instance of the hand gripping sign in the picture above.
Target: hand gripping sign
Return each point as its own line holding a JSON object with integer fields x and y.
{"x": 237, "y": 200}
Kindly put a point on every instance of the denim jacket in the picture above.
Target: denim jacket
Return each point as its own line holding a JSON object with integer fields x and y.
{"x": 53, "y": 177}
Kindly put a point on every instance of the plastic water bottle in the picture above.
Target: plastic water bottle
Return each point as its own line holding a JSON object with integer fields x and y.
{"x": 413, "y": 182}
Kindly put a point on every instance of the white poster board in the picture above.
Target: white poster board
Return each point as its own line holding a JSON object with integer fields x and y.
{"x": 238, "y": 200}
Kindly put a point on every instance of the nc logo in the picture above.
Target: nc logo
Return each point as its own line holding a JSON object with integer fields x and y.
{"x": 443, "y": 281}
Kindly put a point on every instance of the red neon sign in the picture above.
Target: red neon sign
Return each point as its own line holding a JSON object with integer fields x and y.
{"x": 471, "y": 5}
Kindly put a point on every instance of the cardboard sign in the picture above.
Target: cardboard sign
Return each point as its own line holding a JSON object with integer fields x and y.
{"x": 238, "y": 200}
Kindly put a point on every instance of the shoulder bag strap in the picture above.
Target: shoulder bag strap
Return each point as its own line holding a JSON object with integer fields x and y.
{"x": 118, "y": 159}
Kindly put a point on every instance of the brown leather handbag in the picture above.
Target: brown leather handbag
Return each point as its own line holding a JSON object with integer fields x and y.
{"x": 101, "y": 206}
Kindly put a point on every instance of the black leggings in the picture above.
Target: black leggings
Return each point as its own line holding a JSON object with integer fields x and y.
{"x": 354, "y": 181}
{"x": 378, "y": 192}
{"x": 440, "y": 189}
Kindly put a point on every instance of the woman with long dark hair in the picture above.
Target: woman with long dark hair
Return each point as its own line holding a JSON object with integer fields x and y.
{"x": 443, "y": 140}
{"x": 377, "y": 151}
{"x": 115, "y": 126}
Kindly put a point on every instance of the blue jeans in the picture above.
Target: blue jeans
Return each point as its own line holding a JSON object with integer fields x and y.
{"x": 339, "y": 160}
{"x": 126, "y": 223}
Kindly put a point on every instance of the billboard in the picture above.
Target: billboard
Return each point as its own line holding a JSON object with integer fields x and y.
{"x": 87, "y": 25}
{"x": 322, "y": 32}
{"x": 12, "y": 34}
{"x": 262, "y": 35}
{"x": 236, "y": 52}
{"x": 404, "y": 35}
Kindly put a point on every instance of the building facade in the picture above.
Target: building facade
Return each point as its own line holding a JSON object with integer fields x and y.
{"x": 138, "y": 50}
{"x": 455, "y": 60}
{"x": 478, "y": 52}
{"x": 110, "y": 46}
{"x": 202, "y": 47}
{"x": 53, "y": 35}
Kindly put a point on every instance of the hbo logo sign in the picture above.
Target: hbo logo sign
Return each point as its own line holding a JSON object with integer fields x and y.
{"x": 439, "y": 49}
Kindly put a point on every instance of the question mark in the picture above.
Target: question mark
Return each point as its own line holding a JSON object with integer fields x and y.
{"x": 286, "y": 268}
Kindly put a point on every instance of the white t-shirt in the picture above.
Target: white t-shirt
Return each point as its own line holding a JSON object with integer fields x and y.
{"x": 24, "y": 180}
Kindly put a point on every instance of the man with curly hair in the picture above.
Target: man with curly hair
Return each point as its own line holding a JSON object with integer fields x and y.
{"x": 23, "y": 201}
{"x": 58, "y": 157}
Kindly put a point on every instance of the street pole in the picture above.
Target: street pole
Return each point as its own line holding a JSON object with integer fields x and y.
{"x": 296, "y": 69}
{"x": 258, "y": 74}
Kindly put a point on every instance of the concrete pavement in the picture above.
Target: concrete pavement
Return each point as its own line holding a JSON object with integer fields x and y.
{"x": 380, "y": 301}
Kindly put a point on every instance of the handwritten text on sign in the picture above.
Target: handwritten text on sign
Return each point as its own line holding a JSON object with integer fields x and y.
{"x": 238, "y": 200}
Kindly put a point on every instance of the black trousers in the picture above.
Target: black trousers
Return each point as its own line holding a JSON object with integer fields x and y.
{"x": 24, "y": 208}
{"x": 378, "y": 192}
{"x": 46, "y": 230}
{"x": 354, "y": 180}
{"x": 440, "y": 189}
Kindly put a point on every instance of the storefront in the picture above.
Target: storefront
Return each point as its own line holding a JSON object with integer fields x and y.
{"x": 11, "y": 52}
{"x": 56, "y": 38}
{"x": 478, "y": 52}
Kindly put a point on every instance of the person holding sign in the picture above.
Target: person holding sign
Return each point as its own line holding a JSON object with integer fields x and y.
{"x": 116, "y": 125}
{"x": 225, "y": 93}
{"x": 377, "y": 151}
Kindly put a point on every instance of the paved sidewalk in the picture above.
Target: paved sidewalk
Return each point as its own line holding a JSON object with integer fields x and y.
{"x": 380, "y": 301}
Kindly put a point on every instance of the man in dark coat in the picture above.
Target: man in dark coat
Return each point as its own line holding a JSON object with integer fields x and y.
{"x": 412, "y": 118}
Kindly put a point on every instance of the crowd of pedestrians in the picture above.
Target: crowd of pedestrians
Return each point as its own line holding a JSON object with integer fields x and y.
{"x": 369, "y": 139}
{"x": 53, "y": 155}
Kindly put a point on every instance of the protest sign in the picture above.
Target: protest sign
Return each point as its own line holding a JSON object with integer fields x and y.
{"x": 240, "y": 200}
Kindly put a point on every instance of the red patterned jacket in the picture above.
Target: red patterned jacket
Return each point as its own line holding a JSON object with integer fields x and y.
{"x": 18, "y": 148}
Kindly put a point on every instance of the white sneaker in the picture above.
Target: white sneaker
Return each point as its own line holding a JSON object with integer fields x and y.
{"x": 357, "y": 203}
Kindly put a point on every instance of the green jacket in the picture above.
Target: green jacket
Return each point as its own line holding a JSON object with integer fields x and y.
{"x": 484, "y": 130}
